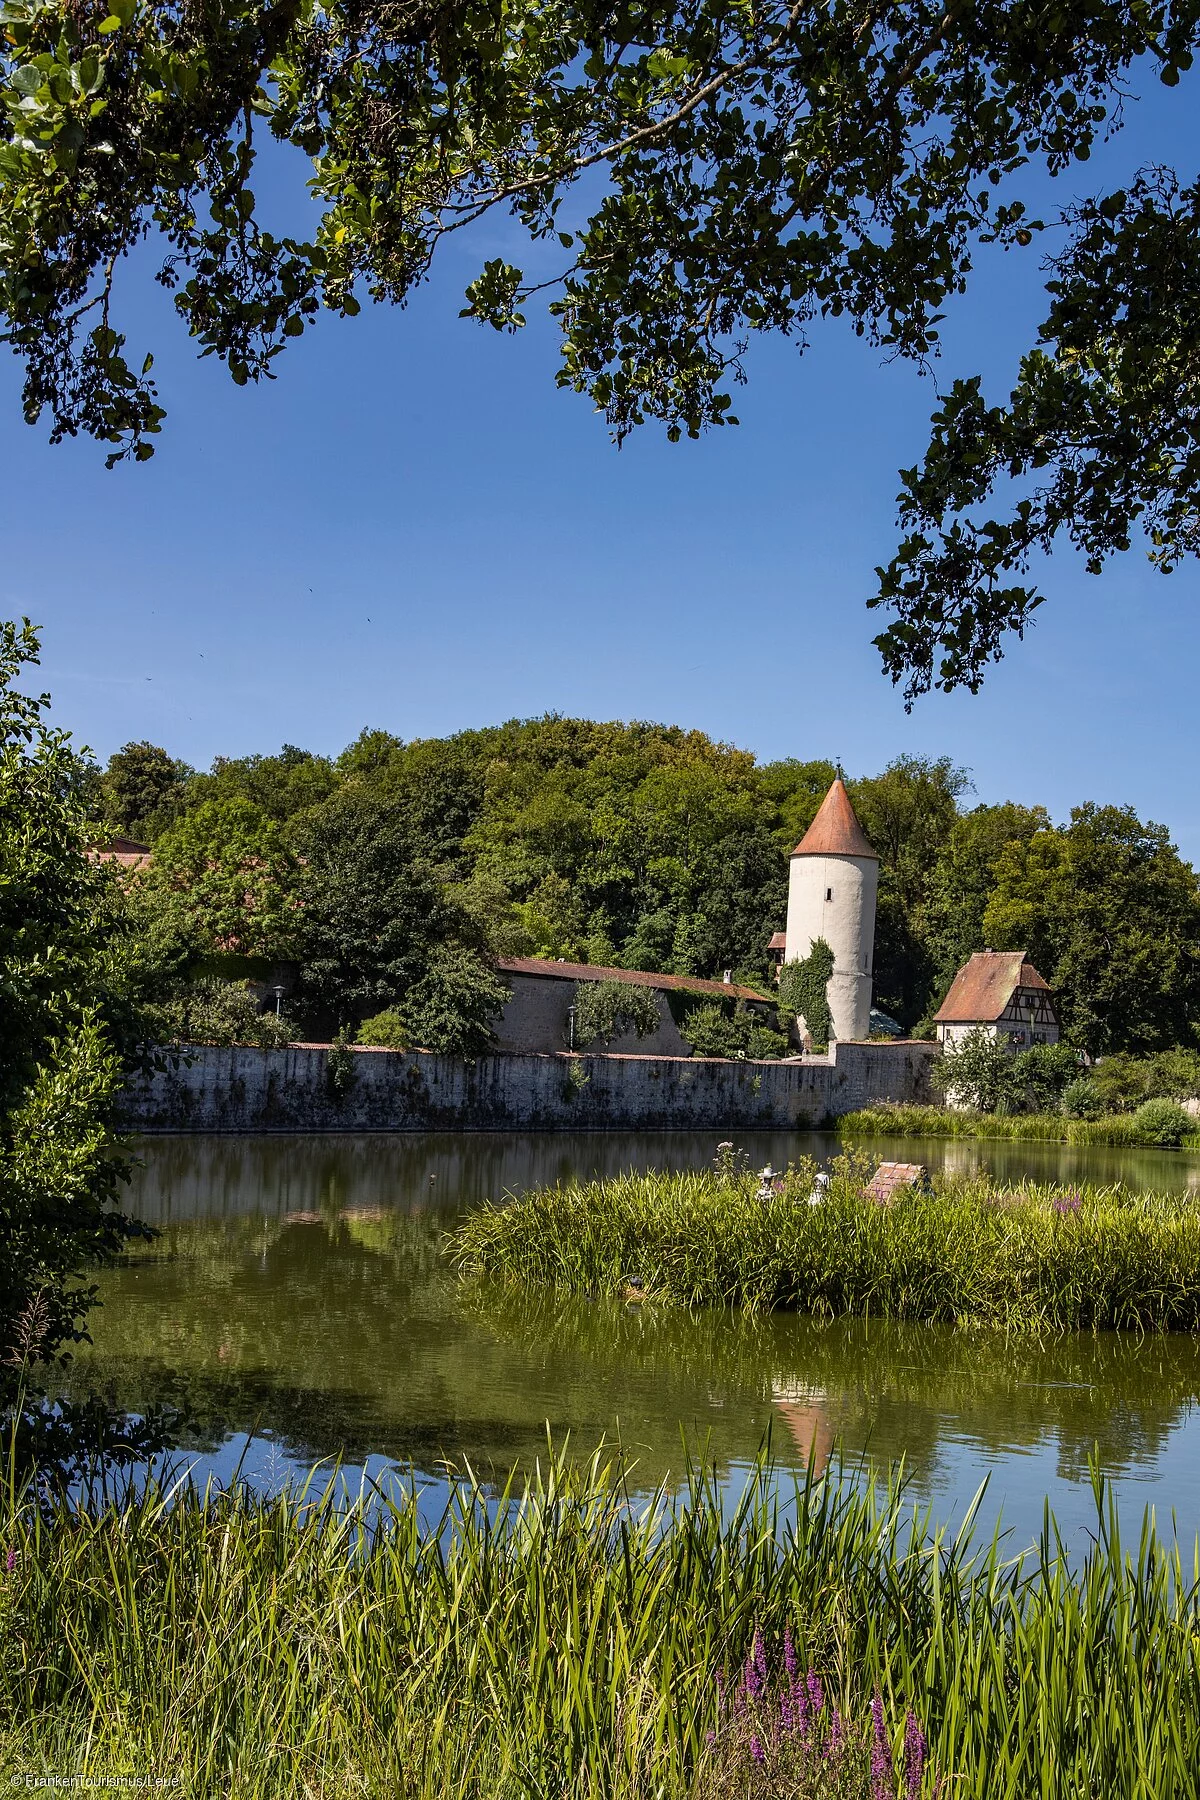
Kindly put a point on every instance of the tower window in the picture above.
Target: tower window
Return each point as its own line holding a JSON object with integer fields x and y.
{"x": 829, "y": 893}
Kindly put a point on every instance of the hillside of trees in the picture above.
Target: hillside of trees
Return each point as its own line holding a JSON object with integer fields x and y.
{"x": 399, "y": 869}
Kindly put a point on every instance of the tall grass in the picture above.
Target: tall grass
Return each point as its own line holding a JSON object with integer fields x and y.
{"x": 565, "y": 1639}
{"x": 939, "y": 1121}
{"x": 1029, "y": 1258}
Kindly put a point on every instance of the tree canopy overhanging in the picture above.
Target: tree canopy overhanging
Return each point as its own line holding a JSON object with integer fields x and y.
{"x": 705, "y": 170}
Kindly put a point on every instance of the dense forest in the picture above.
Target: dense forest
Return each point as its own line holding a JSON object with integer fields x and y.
{"x": 395, "y": 871}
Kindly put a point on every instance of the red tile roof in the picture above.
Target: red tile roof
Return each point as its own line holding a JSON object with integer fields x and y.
{"x": 984, "y": 986}
{"x": 835, "y": 831}
{"x": 682, "y": 984}
{"x": 126, "y": 851}
{"x": 778, "y": 941}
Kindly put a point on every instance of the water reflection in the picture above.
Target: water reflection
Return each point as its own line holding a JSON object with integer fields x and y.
{"x": 298, "y": 1290}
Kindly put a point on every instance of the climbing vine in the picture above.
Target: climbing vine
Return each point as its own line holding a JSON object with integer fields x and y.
{"x": 804, "y": 992}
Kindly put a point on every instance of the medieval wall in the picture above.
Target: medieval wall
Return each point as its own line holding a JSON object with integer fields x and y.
{"x": 535, "y": 1018}
{"x": 304, "y": 1088}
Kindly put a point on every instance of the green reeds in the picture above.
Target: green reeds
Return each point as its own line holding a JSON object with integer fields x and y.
{"x": 966, "y": 1252}
{"x": 939, "y": 1121}
{"x": 565, "y": 1638}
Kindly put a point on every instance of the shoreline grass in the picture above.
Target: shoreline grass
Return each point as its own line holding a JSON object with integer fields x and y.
{"x": 965, "y": 1252}
{"x": 897, "y": 1120}
{"x": 569, "y": 1639}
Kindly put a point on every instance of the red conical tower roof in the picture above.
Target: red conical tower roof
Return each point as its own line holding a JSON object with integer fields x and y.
{"x": 835, "y": 831}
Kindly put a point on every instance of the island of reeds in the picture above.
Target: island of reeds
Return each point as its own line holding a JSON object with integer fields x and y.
{"x": 568, "y": 1637}
{"x": 955, "y": 1251}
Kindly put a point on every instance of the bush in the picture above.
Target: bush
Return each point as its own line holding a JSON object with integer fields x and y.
{"x": 711, "y": 1031}
{"x": 1162, "y": 1122}
{"x": 1040, "y": 1077}
{"x": 610, "y": 1009}
{"x": 976, "y": 1072}
{"x": 386, "y": 1031}
{"x": 224, "y": 1012}
{"x": 1126, "y": 1081}
{"x": 1082, "y": 1099}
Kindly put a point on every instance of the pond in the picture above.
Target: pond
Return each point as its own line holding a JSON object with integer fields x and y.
{"x": 297, "y": 1306}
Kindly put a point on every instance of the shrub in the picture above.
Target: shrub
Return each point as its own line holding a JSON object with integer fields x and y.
{"x": 386, "y": 1031}
{"x": 1162, "y": 1122}
{"x": 610, "y": 1009}
{"x": 1082, "y": 1099}
{"x": 711, "y": 1031}
{"x": 975, "y": 1072}
{"x": 224, "y": 1012}
{"x": 1039, "y": 1077}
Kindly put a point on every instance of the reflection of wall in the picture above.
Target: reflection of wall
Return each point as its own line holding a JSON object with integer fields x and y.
{"x": 238, "y": 1089}
{"x": 274, "y": 1177}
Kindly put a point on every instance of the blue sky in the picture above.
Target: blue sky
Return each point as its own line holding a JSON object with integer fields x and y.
{"x": 412, "y": 528}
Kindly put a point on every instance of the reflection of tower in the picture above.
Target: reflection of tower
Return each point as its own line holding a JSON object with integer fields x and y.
{"x": 803, "y": 1412}
{"x": 831, "y": 894}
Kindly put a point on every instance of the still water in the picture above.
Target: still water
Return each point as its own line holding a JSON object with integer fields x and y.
{"x": 297, "y": 1306}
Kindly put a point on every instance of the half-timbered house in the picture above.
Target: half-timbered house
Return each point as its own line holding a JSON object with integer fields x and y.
{"x": 1000, "y": 992}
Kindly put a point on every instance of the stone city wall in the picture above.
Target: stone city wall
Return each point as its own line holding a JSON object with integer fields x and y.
{"x": 306, "y": 1088}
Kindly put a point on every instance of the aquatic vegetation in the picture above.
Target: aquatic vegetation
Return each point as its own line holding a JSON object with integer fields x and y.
{"x": 1028, "y": 1258}
{"x": 568, "y": 1636}
{"x": 888, "y": 1120}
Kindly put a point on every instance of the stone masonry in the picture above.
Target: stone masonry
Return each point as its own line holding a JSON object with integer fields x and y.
{"x": 305, "y": 1088}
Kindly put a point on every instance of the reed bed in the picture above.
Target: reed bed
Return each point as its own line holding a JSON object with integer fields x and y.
{"x": 567, "y": 1638}
{"x": 1046, "y": 1128}
{"x": 965, "y": 1252}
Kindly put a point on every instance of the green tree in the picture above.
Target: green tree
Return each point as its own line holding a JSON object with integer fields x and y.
{"x": 227, "y": 875}
{"x": 279, "y": 786}
{"x": 1110, "y": 914}
{"x": 707, "y": 172}
{"x": 143, "y": 791}
{"x": 961, "y": 883}
{"x": 380, "y": 929}
{"x": 610, "y": 1009}
{"x": 908, "y": 812}
{"x": 453, "y": 1004}
{"x": 60, "y": 1068}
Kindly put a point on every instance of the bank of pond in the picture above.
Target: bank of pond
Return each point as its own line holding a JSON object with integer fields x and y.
{"x": 955, "y": 1250}
{"x": 1156, "y": 1125}
{"x": 570, "y": 1636}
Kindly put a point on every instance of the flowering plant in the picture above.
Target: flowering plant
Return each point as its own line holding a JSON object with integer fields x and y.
{"x": 783, "y": 1737}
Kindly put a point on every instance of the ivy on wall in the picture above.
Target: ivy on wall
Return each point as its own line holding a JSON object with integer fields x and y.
{"x": 804, "y": 992}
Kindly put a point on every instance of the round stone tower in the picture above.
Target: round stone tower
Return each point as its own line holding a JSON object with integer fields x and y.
{"x": 832, "y": 886}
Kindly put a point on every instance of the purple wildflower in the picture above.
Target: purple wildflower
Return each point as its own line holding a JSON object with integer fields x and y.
{"x": 816, "y": 1693}
{"x": 882, "y": 1774}
{"x": 837, "y": 1733}
{"x": 1068, "y": 1203}
{"x": 710, "y": 1737}
{"x": 787, "y": 1712}
{"x": 789, "y": 1653}
{"x": 914, "y": 1756}
{"x": 10, "y": 1562}
{"x": 756, "y": 1668}
{"x": 756, "y": 1749}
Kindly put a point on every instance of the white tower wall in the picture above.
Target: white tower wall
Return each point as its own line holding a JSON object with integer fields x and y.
{"x": 833, "y": 897}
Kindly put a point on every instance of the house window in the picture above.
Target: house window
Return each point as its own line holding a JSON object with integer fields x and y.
{"x": 829, "y": 893}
